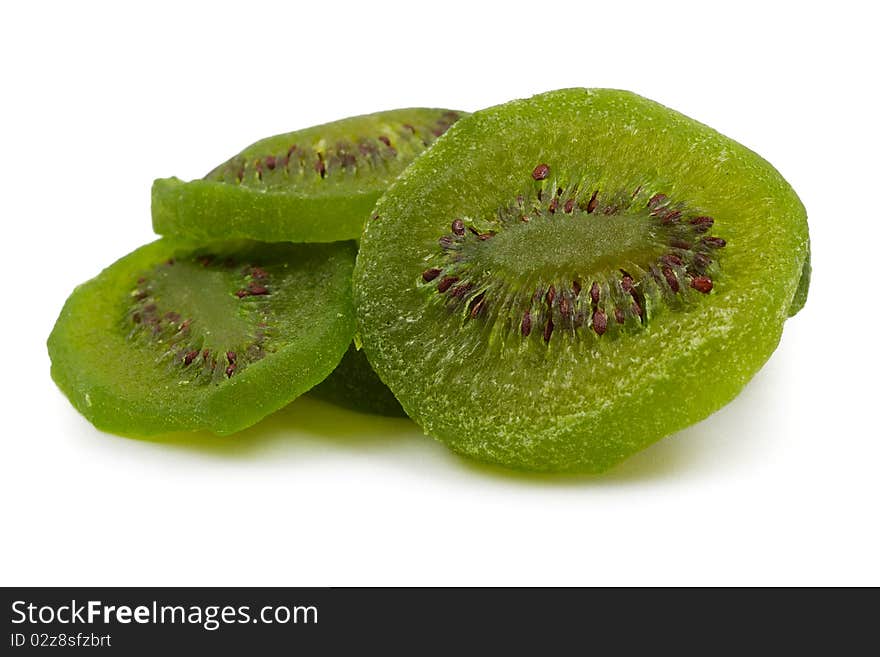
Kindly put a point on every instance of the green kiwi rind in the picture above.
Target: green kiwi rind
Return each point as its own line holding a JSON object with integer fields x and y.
{"x": 128, "y": 352}
{"x": 355, "y": 386}
{"x": 803, "y": 288}
{"x": 318, "y": 184}
{"x": 501, "y": 386}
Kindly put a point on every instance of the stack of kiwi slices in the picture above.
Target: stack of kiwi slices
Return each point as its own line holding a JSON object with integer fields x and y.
{"x": 549, "y": 284}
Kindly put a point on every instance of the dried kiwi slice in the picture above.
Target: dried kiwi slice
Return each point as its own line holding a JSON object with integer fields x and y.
{"x": 313, "y": 185}
{"x": 354, "y": 385}
{"x": 563, "y": 280}
{"x": 169, "y": 338}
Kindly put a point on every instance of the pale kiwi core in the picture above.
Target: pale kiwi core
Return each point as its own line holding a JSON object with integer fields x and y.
{"x": 590, "y": 242}
{"x": 212, "y": 310}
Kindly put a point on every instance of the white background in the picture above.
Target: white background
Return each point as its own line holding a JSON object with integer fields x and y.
{"x": 780, "y": 487}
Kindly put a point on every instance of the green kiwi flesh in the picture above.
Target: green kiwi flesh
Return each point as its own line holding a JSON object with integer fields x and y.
{"x": 563, "y": 280}
{"x": 314, "y": 185}
{"x": 171, "y": 338}
{"x": 355, "y": 386}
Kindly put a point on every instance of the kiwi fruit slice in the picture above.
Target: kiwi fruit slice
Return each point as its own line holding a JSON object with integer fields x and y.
{"x": 313, "y": 185}
{"x": 563, "y": 280}
{"x": 172, "y": 338}
{"x": 355, "y": 386}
